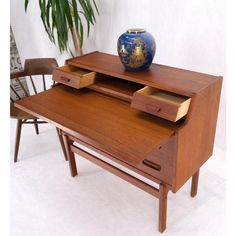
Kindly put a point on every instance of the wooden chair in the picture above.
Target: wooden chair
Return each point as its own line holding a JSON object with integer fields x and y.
{"x": 35, "y": 69}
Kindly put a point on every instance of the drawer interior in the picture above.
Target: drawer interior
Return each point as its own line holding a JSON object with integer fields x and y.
{"x": 162, "y": 95}
{"x": 161, "y": 103}
{"x": 74, "y": 70}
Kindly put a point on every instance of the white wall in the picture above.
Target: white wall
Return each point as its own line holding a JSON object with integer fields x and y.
{"x": 189, "y": 34}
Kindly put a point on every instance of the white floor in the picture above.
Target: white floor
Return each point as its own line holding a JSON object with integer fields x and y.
{"x": 46, "y": 201}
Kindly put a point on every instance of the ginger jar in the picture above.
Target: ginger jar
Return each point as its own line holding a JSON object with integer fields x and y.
{"x": 136, "y": 49}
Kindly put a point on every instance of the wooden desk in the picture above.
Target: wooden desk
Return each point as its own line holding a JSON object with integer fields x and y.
{"x": 159, "y": 123}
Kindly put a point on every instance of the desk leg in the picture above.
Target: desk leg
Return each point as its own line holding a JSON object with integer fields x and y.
{"x": 162, "y": 207}
{"x": 70, "y": 155}
{"x": 62, "y": 143}
{"x": 194, "y": 185}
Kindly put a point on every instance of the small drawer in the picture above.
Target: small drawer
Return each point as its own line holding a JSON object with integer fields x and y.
{"x": 73, "y": 76}
{"x": 161, "y": 103}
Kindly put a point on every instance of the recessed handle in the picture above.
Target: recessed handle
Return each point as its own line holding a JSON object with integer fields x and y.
{"x": 152, "y": 165}
{"x": 153, "y": 108}
{"x": 64, "y": 79}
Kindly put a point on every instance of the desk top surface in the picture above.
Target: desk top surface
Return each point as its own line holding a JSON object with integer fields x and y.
{"x": 172, "y": 79}
{"x": 103, "y": 122}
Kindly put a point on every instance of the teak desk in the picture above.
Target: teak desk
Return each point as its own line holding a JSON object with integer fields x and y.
{"x": 159, "y": 123}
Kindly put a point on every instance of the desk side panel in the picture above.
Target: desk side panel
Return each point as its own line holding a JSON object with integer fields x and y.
{"x": 196, "y": 137}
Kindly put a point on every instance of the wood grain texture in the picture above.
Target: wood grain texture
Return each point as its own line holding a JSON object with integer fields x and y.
{"x": 74, "y": 77}
{"x": 115, "y": 87}
{"x": 98, "y": 152}
{"x": 161, "y": 103}
{"x": 196, "y": 136}
{"x": 163, "y": 207}
{"x": 70, "y": 155}
{"x": 100, "y": 118}
{"x": 34, "y": 66}
{"x": 164, "y": 156}
{"x": 104, "y": 122}
{"x": 129, "y": 178}
{"x": 171, "y": 79}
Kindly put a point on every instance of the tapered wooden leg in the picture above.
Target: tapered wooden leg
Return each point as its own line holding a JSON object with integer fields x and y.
{"x": 62, "y": 143}
{"x": 17, "y": 142}
{"x": 70, "y": 155}
{"x": 162, "y": 207}
{"x": 194, "y": 185}
{"x": 36, "y": 126}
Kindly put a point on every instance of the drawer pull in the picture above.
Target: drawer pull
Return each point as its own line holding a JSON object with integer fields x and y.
{"x": 152, "y": 165}
{"x": 64, "y": 79}
{"x": 152, "y": 108}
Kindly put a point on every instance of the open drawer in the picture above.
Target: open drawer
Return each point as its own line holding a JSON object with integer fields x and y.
{"x": 161, "y": 103}
{"x": 73, "y": 76}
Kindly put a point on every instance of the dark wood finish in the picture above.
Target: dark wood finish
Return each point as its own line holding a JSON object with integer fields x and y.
{"x": 101, "y": 118}
{"x": 23, "y": 87}
{"x": 36, "y": 126}
{"x": 70, "y": 154}
{"x": 32, "y": 67}
{"x": 194, "y": 184}
{"x": 33, "y": 85}
{"x": 62, "y": 143}
{"x": 115, "y": 87}
{"x": 152, "y": 164}
{"x": 39, "y": 66}
{"x": 17, "y": 142}
{"x": 163, "y": 207}
{"x": 14, "y": 91}
{"x": 44, "y": 83}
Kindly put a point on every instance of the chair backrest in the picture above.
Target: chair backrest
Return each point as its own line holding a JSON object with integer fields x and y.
{"x": 40, "y": 66}
{"x": 33, "y": 68}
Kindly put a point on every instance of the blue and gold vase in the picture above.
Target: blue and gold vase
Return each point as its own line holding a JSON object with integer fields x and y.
{"x": 136, "y": 49}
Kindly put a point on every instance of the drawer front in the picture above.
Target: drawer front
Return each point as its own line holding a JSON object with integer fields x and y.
{"x": 160, "y": 163}
{"x": 163, "y": 104}
{"x": 157, "y": 108}
{"x": 73, "y": 78}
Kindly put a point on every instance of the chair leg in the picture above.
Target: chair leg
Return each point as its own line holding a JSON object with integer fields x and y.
{"x": 194, "y": 184}
{"x": 70, "y": 155}
{"x": 36, "y": 126}
{"x": 17, "y": 142}
{"x": 162, "y": 207}
{"x": 62, "y": 144}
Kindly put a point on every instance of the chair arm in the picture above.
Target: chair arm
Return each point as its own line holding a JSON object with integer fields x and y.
{"x": 17, "y": 74}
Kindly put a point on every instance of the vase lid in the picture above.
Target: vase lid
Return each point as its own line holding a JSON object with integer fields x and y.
{"x": 135, "y": 31}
